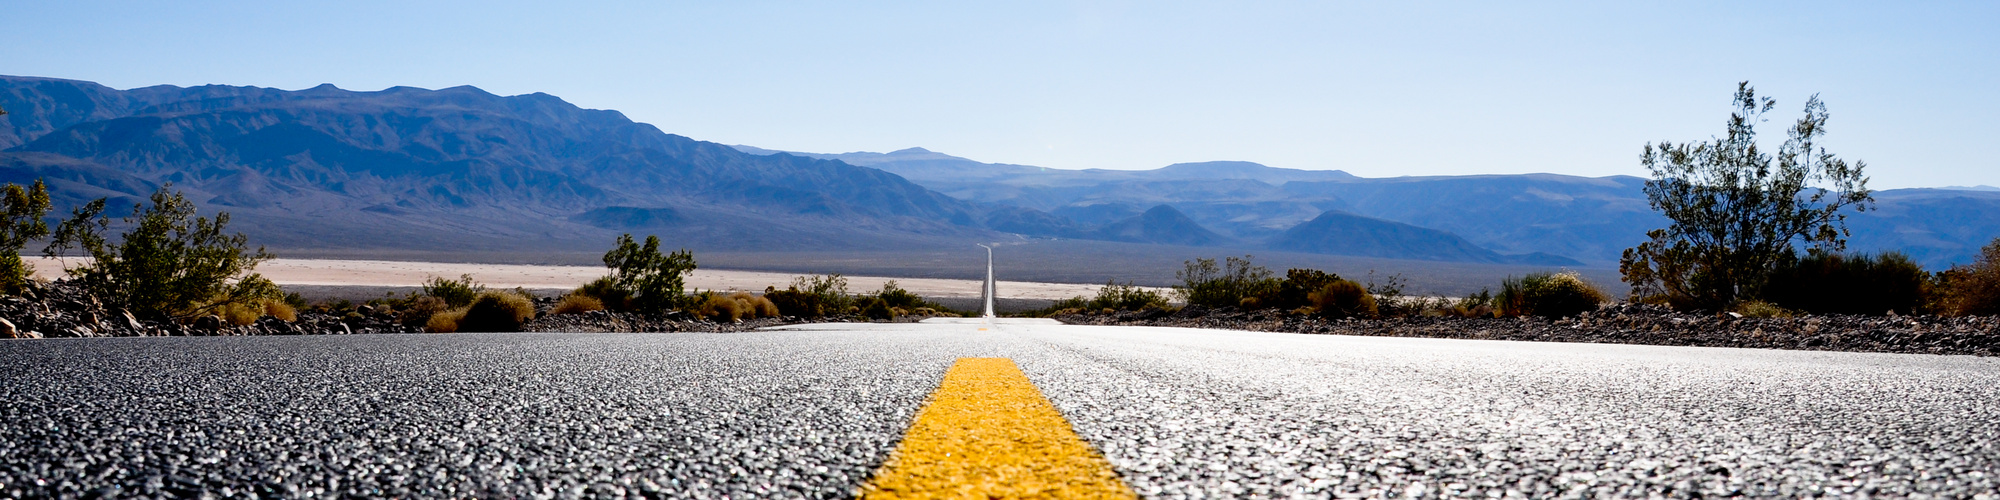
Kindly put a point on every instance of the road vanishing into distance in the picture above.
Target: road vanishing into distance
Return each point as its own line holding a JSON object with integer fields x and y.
{"x": 814, "y": 411}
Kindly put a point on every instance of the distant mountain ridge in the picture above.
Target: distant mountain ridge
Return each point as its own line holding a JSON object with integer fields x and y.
{"x": 1547, "y": 219}
{"x": 435, "y": 168}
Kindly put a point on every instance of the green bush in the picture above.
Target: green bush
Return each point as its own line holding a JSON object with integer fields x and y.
{"x": 455, "y": 293}
{"x": 1550, "y": 295}
{"x": 1125, "y": 297}
{"x": 1848, "y": 284}
{"x": 1972, "y": 289}
{"x": 1343, "y": 299}
{"x": 170, "y": 264}
{"x": 22, "y": 210}
{"x": 503, "y": 311}
{"x": 655, "y": 282}
{"x": 1207, "y": 285}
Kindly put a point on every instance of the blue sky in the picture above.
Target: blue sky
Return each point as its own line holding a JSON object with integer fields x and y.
{"x": 1406, "y": 88}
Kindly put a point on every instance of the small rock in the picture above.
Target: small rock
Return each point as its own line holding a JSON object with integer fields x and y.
{"x": 7, "y": 329}
{"x": 208, "y": 323}
{"x": 132, "y": 322}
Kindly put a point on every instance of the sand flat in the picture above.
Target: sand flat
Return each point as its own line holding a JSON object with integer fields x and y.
{"x": 326, "y": 272}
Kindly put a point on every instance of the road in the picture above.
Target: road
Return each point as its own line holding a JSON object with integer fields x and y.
{"x": 813, "y": 411}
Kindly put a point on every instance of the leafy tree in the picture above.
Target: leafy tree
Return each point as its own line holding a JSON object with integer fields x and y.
{"x": 23, "y": 209}
{"x": 1737, "y": 212}
{"x": 171, "y": 264}
{"x": 656, "y": 282}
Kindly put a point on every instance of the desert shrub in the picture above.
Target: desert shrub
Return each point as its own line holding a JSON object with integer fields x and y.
{"x": 21, "y": 212}
{"x": 281, "y": 310}
{"x": 1343, "y": 299}
{"x": 576, "y": 303}
{"x": 875, "y": 308}
{"x": 1972, "y": 289}
{"x": 793, "y": 302}
{"x": 444, "y": 322}
{"x": 714, "y": 307}
{"x": 496, "y": 311}
{"x": 754, "y": 306}
{"x": 1296, "y": 289}
{"x": 1761, "y": 309}
{"x": 654, "y": 282}
{"x": 1207, "y": 285}
{"x": 812, "y": 296}
{"x": 1072, "y": 305}
{"x": 1478, "y": 305}
{"x": 419, "y": 311}
{"x": 239, "y": 313}
{"x": 455, "y": 293}
{"x": 1550, "y": 295}
{"x": 1848, "y": 284}
{"x": 895, "y": 296}
{"x": 829, "y": 289}
{"x": 607, "y": 293}
{"x": 295, "y": 300}
{"x": 1390, "y": 298}
{"x": 1125, "y": 297}
{"x": 169, "y": 264}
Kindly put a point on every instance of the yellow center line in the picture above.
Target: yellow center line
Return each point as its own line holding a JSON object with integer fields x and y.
{"x": 988, "y": 433}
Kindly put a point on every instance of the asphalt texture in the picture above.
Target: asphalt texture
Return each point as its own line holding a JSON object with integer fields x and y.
{"x": 811, "y": 412}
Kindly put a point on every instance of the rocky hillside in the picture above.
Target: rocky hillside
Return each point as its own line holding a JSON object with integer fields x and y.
{"x": 447, "y": 169}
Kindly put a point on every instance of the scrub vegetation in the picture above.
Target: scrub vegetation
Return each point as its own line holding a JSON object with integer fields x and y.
{"x": 170, "y": 264}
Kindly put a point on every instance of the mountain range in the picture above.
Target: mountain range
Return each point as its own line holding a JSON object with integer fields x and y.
{"x": 1540, "y": 219}
{"x": 463, "y": 170}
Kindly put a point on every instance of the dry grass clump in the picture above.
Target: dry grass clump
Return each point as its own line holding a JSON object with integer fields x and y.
{"x": 248, "y": 312}
{"x": 719, "y": 308}
{"x": 733, "y": 307}
{"x": 419, "y": 311}
{"x": 239, "y": 314}
{"x": 1343, "y": 299}
{"x": 1550, "y": 295}
{"x": 444, "y": 322}
{"x": 576, "y": 303}
{"x": 759, "y": 306}
{"x": 1762, "y": 309}
{"x": 492, "y": 311}
{"x": 281, "y": 310}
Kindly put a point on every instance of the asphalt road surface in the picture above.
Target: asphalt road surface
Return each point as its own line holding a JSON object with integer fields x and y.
{"x": 812, "y": 412}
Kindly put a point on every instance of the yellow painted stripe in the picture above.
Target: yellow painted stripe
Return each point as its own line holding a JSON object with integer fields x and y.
{"x": 988, "y": 433}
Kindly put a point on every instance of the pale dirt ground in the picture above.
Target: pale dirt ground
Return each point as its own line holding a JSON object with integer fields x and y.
{"x": 397, "y": 273}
